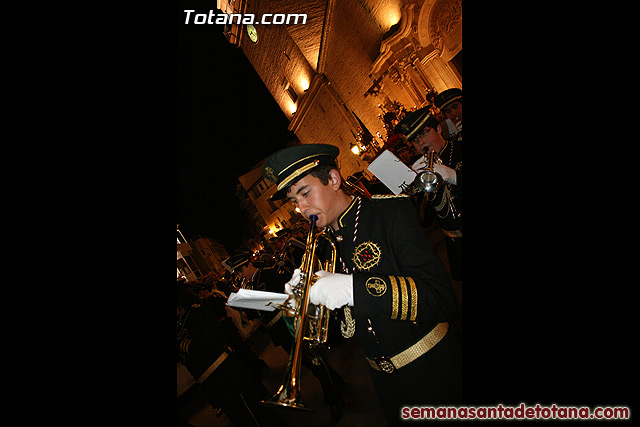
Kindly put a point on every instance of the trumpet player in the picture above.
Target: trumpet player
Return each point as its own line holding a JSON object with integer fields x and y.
{"x": 424, "y": 131}
{"x": 398, "y": 291}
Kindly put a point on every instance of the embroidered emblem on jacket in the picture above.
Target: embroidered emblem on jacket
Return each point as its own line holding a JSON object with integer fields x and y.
{"x": 366, "y": 256}
{"x": 376, "y": 286}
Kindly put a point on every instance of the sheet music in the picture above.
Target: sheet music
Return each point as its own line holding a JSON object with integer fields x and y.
{"x": 258, "y": 300}
{"x": 390, "y": 170}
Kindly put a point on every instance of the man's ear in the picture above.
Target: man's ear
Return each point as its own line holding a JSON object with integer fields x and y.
{"x": 335, "y": 179}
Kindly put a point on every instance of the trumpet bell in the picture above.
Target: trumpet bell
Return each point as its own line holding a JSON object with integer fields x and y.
{"x": 428, "y": 181}
{"x": 286, "y": 403}
{"x": 288, "y": 395}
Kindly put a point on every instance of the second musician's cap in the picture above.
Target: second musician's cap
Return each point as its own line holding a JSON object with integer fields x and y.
{"x": 238, "y": 260}
{"x": 413, "y": 122}
{"x": 284, "y": 166}
{"x": 447, "y": 97}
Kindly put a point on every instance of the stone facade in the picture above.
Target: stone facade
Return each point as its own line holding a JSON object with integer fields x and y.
{"x": 351, "y": 60}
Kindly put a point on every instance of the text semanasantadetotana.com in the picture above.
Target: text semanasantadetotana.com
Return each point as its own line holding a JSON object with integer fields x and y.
{"x": 521, "y": 412}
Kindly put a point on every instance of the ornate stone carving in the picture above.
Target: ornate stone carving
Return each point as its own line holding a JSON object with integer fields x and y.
{"x": 445, "y": 26}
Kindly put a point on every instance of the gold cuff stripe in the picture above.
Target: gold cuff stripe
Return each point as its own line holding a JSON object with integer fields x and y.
{"x": 404, "y": 297}
{"x": 414, "y": 299}
{"x": 394, "y": 297}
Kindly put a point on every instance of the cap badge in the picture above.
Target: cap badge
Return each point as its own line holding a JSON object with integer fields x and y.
{"x": 270, "y": 174}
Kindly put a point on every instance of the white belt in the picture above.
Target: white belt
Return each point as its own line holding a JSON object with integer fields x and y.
{"x": 212, "y": 368}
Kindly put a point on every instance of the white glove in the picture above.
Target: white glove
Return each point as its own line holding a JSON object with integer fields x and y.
{"x": 332, "y": 290}
{"x": 295, "y": 279}
{"x": 447, "y": 174}
{"x": 419, "y": 165}
{"x": 288, "y": 287}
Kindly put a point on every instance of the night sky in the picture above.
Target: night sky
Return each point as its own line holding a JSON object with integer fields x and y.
{"x": 227, "y": 122}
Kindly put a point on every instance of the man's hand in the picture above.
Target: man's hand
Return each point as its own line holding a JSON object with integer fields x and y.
{"x": 447, "y": 174}
{"x": 332, "y": 290}
{"x": 288, "y": 288}
{"x": 293, "y": 282}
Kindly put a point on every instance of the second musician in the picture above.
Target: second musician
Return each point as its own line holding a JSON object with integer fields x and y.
{"x": 425, "y": 132}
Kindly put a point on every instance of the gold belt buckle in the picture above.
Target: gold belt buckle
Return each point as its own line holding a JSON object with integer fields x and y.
{"x": 385, "y": 364}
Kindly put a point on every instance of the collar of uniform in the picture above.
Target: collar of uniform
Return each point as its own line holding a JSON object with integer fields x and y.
{"x": 446, "y": 144}
{"x": 346, "y": 212}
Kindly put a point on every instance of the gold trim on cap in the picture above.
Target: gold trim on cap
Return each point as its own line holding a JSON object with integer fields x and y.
{"x": 297, "y": 173}
{"x": 455, "y": 98}
{"x": 296, "y": 162}
{"x": 418, "y": 127}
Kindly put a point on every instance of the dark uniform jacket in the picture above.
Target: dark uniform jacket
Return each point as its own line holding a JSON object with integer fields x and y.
{"x": 397, "y": 276}
{"x": 401, "y": 291}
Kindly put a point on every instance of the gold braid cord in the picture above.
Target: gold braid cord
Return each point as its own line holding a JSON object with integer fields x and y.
{"x": 349, "y": 328}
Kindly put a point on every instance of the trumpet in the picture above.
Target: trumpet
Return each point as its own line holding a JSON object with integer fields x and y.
{"x": 427, "y": 180}
{"x": 311, "y": 322}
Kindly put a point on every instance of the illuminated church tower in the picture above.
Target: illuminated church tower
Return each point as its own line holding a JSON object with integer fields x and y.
{"x": 349, "y": 60}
